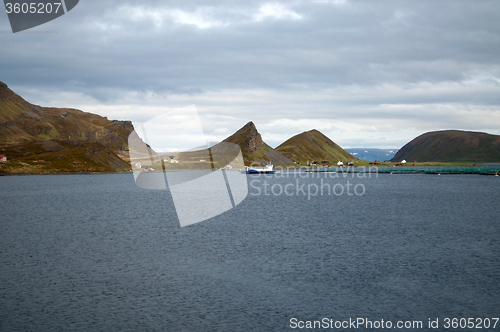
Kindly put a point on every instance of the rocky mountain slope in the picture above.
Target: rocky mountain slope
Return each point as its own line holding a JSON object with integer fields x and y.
{"x": 39, "y": 139}
{"x": 255, "y": 151}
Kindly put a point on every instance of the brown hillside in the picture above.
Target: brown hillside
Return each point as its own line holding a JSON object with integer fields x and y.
{"x": 452, "y": 146}
{"x": 255, "y": 151}
{"x": 313, "y": 146}
{"x": 39, "y": 139}
{"x": 22, "y": 122}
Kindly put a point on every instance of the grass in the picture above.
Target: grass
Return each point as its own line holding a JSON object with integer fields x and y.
{"x": 35, "y": 160}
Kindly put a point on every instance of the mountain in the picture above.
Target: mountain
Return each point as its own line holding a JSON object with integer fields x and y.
{"x": 255, "y": 151}
{"x": 452, "y": 146}
{"x": 22, "y": 122}
{"x": 313, "y": 146}
{"x": 39, "y": 139}
{"x": 372, "y": 154}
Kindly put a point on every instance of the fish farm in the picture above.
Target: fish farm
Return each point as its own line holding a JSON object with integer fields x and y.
{"x": 484, "y": 170}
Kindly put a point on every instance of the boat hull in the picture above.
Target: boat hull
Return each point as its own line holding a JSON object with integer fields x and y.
{"x": 253, "y": 171}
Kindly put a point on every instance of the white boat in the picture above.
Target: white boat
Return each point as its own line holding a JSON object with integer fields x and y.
{"x": 267, "y": 169}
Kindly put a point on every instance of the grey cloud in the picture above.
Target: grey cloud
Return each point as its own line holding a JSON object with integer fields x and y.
{"x": 355, "y": 43}
{"x": 105, "y": 50}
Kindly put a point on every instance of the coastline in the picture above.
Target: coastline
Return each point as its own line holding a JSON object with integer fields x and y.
{"x": 480, "y": 169}
{"x": 63, "y": 173}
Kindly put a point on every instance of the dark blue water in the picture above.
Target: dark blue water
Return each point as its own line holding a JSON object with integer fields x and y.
{"x": 97, "y": 253}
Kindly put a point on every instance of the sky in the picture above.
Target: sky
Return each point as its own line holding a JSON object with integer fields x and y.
{"x": 372, "y": 74}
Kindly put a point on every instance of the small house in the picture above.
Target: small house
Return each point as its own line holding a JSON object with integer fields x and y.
{"x": 172, "y": 160}
{"x": 325, "y": 163}
{"x": 3, "y": 158}
{"x": 340, "y": 163}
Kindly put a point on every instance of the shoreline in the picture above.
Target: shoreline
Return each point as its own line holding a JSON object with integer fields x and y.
{"x": 62, "y": 173}
{"x": 491, "y": 169}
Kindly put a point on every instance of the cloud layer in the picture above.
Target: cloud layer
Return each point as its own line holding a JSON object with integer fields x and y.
{"x": 368, "y": 74}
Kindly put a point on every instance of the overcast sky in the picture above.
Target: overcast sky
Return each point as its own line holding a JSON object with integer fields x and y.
{"x": 365, "y": 73}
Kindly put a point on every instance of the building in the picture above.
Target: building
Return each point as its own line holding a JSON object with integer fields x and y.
{"x": 172, "y": 160}
{"x": 3, "y": 158}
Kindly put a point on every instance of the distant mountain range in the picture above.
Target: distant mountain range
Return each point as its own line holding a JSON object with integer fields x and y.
{"x": 370, "y": 154}
{"x": 39, "y": 139}
{"x": 452, "y": 146}
{"x": 303, "y": 148}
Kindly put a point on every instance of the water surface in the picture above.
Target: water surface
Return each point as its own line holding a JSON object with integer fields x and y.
{"x": 98, "y": 253}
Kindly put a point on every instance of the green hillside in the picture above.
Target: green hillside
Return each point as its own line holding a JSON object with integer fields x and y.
{"x": 451, "y": 146}
{"x": 312, "y": 146}
{"x": 61, "y": 157}
{"x": 39, "y": 139}
{"x": 22, "y": 122}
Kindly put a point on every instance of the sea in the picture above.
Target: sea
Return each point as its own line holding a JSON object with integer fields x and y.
{"x": 399, "y": 252}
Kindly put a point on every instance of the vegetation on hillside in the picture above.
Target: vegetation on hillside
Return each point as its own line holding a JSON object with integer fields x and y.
{"x": 451, "y": 146}
{"x": 39, "y": 139}
{"x": 255, "y": 151}
{"x": 312, "y": 146}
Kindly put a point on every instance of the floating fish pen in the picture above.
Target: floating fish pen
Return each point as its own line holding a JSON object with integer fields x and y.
{"x": 484, "y": 170}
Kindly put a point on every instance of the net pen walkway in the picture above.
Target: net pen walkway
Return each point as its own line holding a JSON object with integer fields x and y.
{"x": 484, "y": 170}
